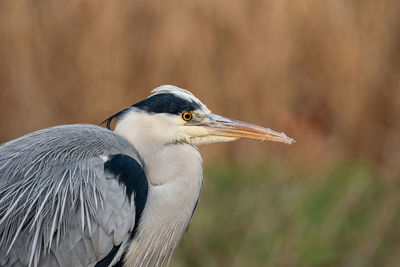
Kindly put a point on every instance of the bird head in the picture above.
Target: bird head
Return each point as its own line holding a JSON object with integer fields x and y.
{"x": 174, "y": 115}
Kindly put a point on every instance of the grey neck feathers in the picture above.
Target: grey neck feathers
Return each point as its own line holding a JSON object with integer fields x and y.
{"x": 175, "y": 174}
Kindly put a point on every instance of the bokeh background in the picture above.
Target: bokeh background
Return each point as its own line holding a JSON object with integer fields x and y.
{"x": 327, "y": 73}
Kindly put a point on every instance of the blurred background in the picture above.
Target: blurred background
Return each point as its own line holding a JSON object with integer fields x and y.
{"x": 327, "y": 73}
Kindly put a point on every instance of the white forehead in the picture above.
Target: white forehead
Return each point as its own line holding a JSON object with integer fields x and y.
{"x": 179, "y": 92}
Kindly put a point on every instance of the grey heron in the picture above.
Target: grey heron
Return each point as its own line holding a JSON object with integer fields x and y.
{"x": 83, "y": 195}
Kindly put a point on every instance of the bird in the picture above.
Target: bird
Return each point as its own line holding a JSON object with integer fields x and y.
{"x": 86, "y": 195}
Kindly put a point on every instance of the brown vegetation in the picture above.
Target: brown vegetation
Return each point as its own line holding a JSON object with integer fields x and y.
{"x": 325, "y": 72}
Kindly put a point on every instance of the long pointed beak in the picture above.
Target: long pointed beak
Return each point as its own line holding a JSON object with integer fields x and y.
{"x": 221, "y": 126}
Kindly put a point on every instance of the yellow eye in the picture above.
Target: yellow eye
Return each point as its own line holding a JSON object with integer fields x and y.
{"x": 187, "y": 116}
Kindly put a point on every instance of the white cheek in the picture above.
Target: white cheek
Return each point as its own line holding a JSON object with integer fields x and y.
{"x": 194, "y": 131}
{"x": 163, "y": 131}
{"x": 154, "y": 129}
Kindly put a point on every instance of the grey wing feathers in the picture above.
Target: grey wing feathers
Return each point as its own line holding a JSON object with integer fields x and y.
{"x": 57, "y": 205}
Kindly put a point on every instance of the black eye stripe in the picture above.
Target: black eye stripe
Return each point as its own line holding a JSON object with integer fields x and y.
{"x": 159, "y": 103}
{"x": 167, "y": 103}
